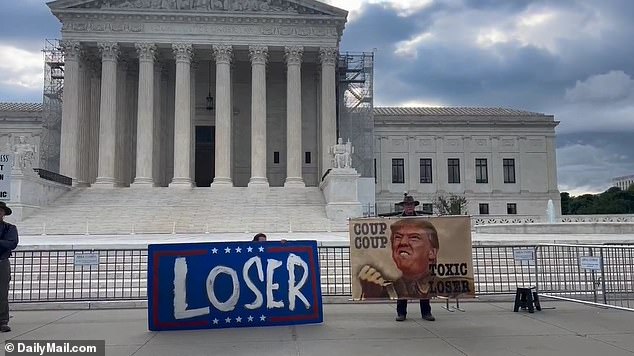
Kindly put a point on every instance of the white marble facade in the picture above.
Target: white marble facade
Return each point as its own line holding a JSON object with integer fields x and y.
{"x": 491, "y": 136}
{"x": 21, "y": 130}
{"x": 138, "y": 74}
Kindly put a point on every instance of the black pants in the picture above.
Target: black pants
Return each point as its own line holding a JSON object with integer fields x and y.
{"x": 5, "y": 278}
{"x": 401, "y": 307}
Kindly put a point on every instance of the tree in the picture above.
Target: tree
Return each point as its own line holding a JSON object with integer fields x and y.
{"x": 612, "y": 201}
{"x": 565, "y": 203}
{"x": 453, "y": 205}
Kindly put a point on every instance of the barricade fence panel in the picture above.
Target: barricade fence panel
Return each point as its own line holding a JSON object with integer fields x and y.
{"x": 601, "y": 274}
{"x": 589, "y": 273}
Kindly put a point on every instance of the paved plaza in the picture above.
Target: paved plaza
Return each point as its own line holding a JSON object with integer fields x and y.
{"x": 485, "y": 328}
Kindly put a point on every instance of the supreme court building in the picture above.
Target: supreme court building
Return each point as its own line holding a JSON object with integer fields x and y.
{"x": 184, "y": 93}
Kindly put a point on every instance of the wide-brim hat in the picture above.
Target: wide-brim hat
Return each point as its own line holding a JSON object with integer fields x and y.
{"x": 408, "y": 199}
{"x": 7, "y": 210}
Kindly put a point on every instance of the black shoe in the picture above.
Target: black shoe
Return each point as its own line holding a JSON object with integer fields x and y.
{"x": 428, "y": 317}
{"x": 400, "y": 318}
{"x": 5, "y": 328}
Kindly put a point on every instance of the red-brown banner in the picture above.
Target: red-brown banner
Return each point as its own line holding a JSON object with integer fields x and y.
{"x": 411, "y": 257}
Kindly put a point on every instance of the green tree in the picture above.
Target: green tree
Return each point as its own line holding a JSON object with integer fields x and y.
{"x": 452, "y": 205}
{"x": 565, "y": 203}
{"x": 612, "y": 201}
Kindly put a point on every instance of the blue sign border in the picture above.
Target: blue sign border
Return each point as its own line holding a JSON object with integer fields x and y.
{"x": 156, "y": 252}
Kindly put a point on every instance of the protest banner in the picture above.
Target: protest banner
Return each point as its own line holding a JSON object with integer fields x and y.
{"x": 233, "y": 284}
{"x": 411, "y": 257}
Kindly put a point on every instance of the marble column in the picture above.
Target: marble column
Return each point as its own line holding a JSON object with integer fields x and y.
{"x": 95, "y": 98}
{"x": 107, "y": 114}
{"x": 183, "y": 53}
{"x": 328, "y": 57}
{"x": 222, "y": 56}
{"x": 69, "y": 142}
{"x": 192, "y": 145}
{"x": 83, "y": 124}
{"x": 259, "y": 57}
{"x": 121, "y": 139}
{"x": 294, "y": 117}
{"x": 145, "y": 116}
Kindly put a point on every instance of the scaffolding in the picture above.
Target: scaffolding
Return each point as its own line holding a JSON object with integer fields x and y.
{"x": 52, "y": 105}
{"x": 355, "y": 92}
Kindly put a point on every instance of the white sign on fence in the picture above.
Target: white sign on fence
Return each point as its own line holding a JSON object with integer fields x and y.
{"x": 590, "y": 263}
{"x": 6, "y": 164}
{"x": 87, "y": 259}
{"x": 521, "y": 255}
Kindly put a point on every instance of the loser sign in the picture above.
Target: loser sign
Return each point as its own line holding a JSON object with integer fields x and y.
{"x": 228, "y": 285}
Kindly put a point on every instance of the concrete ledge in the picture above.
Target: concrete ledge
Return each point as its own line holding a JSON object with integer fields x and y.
{"x": 87, "y": 305}
{"x": 622, "y": 228}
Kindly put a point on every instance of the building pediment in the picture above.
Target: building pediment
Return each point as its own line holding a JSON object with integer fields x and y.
{"x": 251, "y": 7}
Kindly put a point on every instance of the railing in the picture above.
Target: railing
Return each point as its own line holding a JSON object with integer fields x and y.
{"x": 54, "y": 177}
{"x": 53, "y": 276}
{"x": 605, "y": 277}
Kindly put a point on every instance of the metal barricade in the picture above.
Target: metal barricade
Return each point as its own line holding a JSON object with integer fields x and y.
{"x": 596, "y": 274}
{"x": 567, "y": 272}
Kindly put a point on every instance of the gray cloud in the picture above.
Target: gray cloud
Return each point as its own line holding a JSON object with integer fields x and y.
{"x": 569, "y": 58}
{"x": 587, "y": 162}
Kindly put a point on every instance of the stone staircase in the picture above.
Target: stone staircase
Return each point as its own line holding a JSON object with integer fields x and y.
{"x": 90, "y": 211}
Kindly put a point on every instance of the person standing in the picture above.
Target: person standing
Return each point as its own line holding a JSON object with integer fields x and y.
{"x": 8, "y": 243}
{"x": 409, "y": 209}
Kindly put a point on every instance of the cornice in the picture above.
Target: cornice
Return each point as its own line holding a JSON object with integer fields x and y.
{"x": 218, "y": 18}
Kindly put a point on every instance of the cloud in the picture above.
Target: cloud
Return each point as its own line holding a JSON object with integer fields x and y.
{"x": 568, "y": 58}
{"x": 614, "y": 85}
{"x": 587, "y": 162}
{"x": 403, "y": 7}
{"x": 21, "y": 68}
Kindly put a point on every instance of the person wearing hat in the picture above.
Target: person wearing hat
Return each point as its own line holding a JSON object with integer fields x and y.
{"x": 409, "y": 205}
{"x": 8, "y": 243}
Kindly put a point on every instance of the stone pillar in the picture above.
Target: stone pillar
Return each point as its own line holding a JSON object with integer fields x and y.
{"x": 183, "y": 53}
{"x": 69, "y": 142}
{"x": 145, "y": 116}
{"x": 132, "y": 90}
{"x": 259, "y": 57}
{"x": 95, "y": 99}
{"x": 223, "y": 55}
{"x": 107, "y": 114}
{"x": 328, "y": 57}
{"x": 192, "y": 145}
{"x": 294, "y": 117}
{"x": 83, "y": 125}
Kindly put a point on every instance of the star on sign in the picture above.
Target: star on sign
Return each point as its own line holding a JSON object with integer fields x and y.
{"x": 250, "y": 318}
{"x": 227, "y": 250}
{"x": 261, "y": 249}
{"x": 214, "y": 250}
{"x": 238, "y": 249}
{"x": 262, "y": 318}
{"x": 238, "y": 319}
{"x": 249, "y": 249}
{"x": 228, "y": 320}
{"x": 215, "y": 321}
